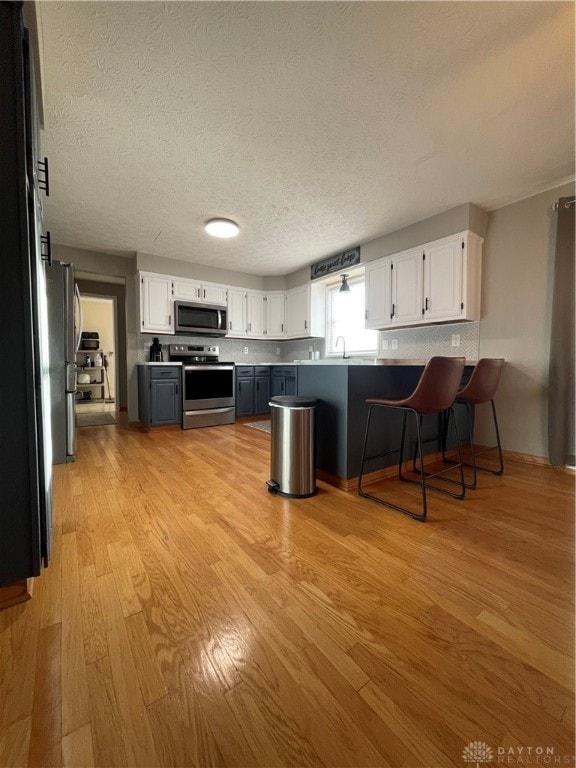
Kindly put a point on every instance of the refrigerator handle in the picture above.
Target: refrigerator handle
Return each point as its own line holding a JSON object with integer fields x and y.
{"x": 80, "y": 317}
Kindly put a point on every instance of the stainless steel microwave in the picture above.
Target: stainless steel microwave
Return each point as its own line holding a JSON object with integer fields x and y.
{"x": 199, "y": 319}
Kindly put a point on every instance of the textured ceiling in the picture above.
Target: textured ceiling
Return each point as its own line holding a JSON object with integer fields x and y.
{"x": 315, "y": 125}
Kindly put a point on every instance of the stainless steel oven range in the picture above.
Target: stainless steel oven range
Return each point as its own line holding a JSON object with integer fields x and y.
{"x": 207, "y": 385}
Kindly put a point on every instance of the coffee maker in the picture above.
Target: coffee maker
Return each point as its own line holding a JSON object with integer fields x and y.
{"x": 156, "y": 351}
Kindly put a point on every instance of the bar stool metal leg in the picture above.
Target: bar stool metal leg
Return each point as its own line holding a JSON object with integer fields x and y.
{"x": 473, "y": 465}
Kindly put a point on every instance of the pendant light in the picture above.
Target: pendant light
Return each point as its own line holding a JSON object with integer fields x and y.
{"x": 344, "y": 288}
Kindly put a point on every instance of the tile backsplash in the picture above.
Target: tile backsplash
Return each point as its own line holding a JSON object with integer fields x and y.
{"x": 234, "y": 349}
{"x": 412, "y": 343}
{"x": 430, "y": 340}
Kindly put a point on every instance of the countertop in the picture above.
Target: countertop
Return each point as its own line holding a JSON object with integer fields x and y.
{"x": 168, "y": 362}
{"x": 334, "y": 361}
{"x": 368, "y": 361}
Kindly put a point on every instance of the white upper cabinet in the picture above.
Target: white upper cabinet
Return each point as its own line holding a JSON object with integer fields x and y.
{"x": 378, "y": 293}
{"x": 206, "y": 293}
{"x": 275, "y": 315}
{"x": 236, "y": 312}
{"x": 214, "y": 294}
{"x": 407, "y": 287}
{"x": 298, "y": 312}
{"x": 436, "y": 282}
{"x": 452, "y": 278}
{"x": 305, "y": 312}
{"x": 156, "y": 303}
{"x": 255, "y": 314}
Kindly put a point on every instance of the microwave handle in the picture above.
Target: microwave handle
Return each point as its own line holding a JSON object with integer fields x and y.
{"x": 221, "y": 320}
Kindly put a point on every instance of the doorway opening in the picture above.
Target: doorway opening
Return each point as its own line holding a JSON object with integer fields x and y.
{"x": 97, "y": 378}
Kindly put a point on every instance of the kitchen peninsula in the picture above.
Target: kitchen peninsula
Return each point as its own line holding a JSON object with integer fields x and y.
{"x": 341, "y": 414}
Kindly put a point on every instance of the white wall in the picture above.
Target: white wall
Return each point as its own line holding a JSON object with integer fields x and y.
{"x": 517, "y": 270}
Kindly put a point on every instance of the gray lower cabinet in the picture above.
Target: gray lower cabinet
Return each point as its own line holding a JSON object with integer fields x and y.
{"x": 244, "y": 390}
{"x": 284, "y": 380}
{"x": 252, "y": 390}
{"x": 261, "y": 390}
{"x": 159, "y": 394}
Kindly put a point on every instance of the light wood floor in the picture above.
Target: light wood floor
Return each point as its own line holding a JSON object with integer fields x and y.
{"x": 189, "y": 618}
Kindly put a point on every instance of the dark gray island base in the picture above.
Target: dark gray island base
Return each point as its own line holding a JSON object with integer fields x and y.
{"x": 342, "y": 411}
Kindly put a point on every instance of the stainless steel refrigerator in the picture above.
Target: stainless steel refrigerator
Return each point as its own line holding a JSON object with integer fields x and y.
{"x": 25, "y": 434}
{"x": 63, "y": 309}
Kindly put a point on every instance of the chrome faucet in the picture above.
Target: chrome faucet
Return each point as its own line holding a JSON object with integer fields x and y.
{"x": 344, "y": 355}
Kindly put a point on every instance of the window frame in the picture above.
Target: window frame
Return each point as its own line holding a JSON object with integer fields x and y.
{"x": 332, "y": 287}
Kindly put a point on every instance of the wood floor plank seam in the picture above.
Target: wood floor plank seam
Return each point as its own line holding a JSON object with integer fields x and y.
{"x": 189, "y": 618}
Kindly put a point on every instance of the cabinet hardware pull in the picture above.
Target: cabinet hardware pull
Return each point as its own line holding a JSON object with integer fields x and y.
{"x": 249, "y": 326}
{"x": 365, "y": 314}
{"x": 45, "y": 240}
{"x": 230, "y": 325}
{"x": 426, "y": 305}
{"x": 305, "y": 324}
{"x": 282, "y": 327}
{"x": 44, "y": 183}
{"x": 393, "y": 310}
{"x": 169, "y": 319}
{"x": 204, "y": 292}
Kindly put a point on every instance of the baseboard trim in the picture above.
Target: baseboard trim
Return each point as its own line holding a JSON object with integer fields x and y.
{"x": 17, "y": 592}
{"x": 527, "y": 458}
{"x": 351, "y": 483}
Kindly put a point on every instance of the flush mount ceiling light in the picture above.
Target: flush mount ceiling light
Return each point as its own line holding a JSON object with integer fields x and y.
{"x": 222, "y": 228}
{"x": 344, "y": 288}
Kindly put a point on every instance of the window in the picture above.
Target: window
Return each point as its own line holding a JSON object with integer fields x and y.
{"x": 345, "y": 314}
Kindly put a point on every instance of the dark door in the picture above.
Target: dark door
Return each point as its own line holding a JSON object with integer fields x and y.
{"x": 278, "y": 385}
{"x": 290, "y": 385}
{"x": 245, "y": 396}
{"x": 262, "y": 394}
{"x": 165, "y": 402}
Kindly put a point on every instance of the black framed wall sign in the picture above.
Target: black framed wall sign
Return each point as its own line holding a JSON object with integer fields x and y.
{"x": 335, "y": 263}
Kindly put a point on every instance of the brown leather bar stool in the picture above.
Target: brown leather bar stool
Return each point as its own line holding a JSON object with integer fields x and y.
{"x": 434, "y": 393}
{"x": 481, "y": 388}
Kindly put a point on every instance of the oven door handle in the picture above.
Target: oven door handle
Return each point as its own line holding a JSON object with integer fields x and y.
{"x": 215, "y": 367}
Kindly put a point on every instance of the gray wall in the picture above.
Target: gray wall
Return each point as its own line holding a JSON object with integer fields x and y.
{"x": 517, "y": 271}
{"x": 516, "y": 304}
{"x": 467, "y": 216}
{"x": 102, "y": 265}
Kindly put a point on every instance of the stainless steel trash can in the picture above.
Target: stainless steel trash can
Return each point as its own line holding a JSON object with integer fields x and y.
{"x": 292, "y": 458}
